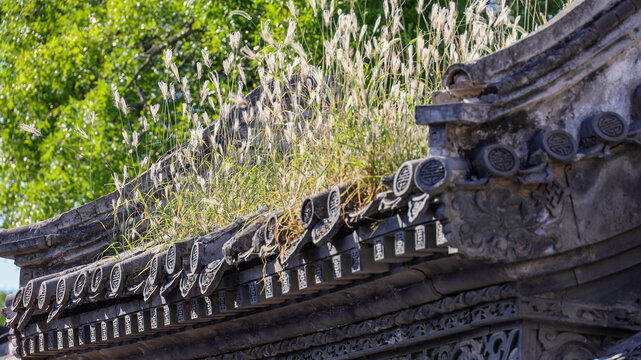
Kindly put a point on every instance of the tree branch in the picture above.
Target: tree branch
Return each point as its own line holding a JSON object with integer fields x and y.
{"x": 157, "y": 50}
{"x": 140, "y": 106}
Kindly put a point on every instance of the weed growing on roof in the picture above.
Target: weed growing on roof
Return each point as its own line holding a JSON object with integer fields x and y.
{"x": 310, "y": 126}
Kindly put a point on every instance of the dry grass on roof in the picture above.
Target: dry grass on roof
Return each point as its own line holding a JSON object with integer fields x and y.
{"x": 310, "y": 126}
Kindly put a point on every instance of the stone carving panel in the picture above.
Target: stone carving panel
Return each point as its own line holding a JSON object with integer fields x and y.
{"x": 508, "y": 222}
{"x": 430, "y": 321}
{"x": 497, "y": 345}
{"x": 557, "y": 345}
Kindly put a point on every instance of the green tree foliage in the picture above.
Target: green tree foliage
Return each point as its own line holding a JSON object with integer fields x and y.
{"x": 58, "y": 63}
{"x": 3, "y": 296}
{"x": 60, "y": 60}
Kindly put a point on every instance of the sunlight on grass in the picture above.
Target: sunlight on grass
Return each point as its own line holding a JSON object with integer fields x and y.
{"x": 309, "y": 126}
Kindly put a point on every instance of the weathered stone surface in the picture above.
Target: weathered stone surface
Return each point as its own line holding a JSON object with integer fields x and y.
{"x": 517, "y": 236}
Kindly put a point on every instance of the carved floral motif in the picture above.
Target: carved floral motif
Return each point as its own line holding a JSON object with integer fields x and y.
{"x": 502, "y": 223}
{"x": 442, "y": 317}
{"x": 557, "y": 345}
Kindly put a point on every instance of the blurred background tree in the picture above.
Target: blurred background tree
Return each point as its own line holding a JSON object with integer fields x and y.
{"x": 3, "y": 296}
{"x": 60, "y": 61}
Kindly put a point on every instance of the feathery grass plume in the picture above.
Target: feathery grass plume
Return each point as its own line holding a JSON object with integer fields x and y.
{"x": 125, "y": 137}
{"x": 249, "y": 54}
{"x": 163, "y": 90}
{"x": 312, "y": 3}
{"x": 174, "y": 71}
{"x": 118, "y": 183}
{"x": 185, "y": 110}
{"x": 187, "y": 93}
{"x": 206, "y": 60}
{"x": 134, "y": 139}
{"x": 206, "y": 119}
{"x": 266, "y": 34}
{"x": 227, "y": 64}
{"x": 241, "y": 75}
{"x": 154, "y": 108}
{"x": 30, "y": 129}
{"x": 82, "y": 133}
{"x": 290, "y": 31}
{"x": 292, "y": 9}
{"x": 123, "y": 106}
{"x": 204, "y": 92}
{"x": 116, "y": 97}
{"x": 166, "y": 57}
{"x": 326, "y": 17}
{"x": 115, "y": 204}
{"x": 312, "y": 124}
{"x": 241, "y": 13}
{"x": 145, "y": 123}
{"x": 234, "y": 40}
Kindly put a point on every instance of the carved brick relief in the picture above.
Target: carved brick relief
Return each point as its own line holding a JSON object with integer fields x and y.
{"x": 559, "y": 345}
{"x": 506, "y": 223}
